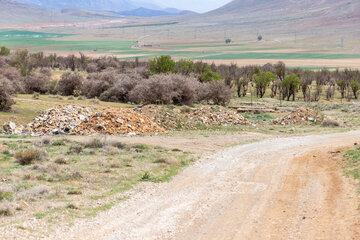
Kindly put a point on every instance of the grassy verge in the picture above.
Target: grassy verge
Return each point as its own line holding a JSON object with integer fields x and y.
{"x": 61, "y": 180}
{"x": 352, "y": 165}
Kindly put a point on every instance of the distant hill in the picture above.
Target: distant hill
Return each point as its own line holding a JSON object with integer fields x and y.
{"x": 92, "y": 5}
{"x": 145, "y": 12}
{"x": 12, "y": 13}
{"x": 333, "y": 10}
{"x": 275, "y": 16}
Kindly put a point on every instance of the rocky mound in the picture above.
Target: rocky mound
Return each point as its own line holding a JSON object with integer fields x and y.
{"x": 121, "y": 121}
{"x": 192, "y": 118}
{"x": 300, "y": 116}
{"x": 80, "y": 120}
{"x": 59, "y": 120}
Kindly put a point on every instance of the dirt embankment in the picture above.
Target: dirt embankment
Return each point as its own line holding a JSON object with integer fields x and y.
{"x": 284, "y": 188}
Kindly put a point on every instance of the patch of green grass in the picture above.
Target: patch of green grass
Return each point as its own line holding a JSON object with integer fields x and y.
{"x": 352, "y": 165}
{"x": 6, "y": 195}
{"x": 40, "y": 215}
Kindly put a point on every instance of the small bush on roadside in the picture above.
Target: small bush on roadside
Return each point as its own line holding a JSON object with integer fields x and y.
{"x": 330, "y": 123}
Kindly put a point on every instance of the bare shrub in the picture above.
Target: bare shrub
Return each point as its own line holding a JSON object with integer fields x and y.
{"x": 7, "y": 209}
{"x": 97, "y": 83}
{"x": 107, "y": 62}
{"x": 28, "y": 156}
{"x": 95, "y": 143}
{"x": 75, "y": 149}
{"x": 61, "y": 160}
{"x": 330, "y": 123}
{"x": 165, "y": 89}
{"x": 37, "y": 82}
{"x": 121, "y": 89}
{"x": 35, "y": 192}
{"x": 69, "y": 83}
{"x": 5, "y": 95}
{"x": 91, "y": 68}
{"x": 216, "y": 92}
{"x": 43, "y": 141}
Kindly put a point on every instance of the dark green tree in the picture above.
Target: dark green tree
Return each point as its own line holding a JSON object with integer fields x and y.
{"x": 262, "y": 81}
{"x": 290, "y": 84}
{"x": 162, "y": 64}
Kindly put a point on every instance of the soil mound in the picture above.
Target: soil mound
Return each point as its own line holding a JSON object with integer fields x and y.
{"x": 301, "y": 116}
{"x": 192, "y": 118}
{"x": 121, "y": 121}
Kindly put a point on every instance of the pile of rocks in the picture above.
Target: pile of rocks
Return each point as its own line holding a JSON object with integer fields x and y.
{"x": 80, "y": 120}
{"x": 192, "y": 118}
{"x": 59, "y": 120}
{"x": 301, "y": 116}
{"x": 120, "y": 121}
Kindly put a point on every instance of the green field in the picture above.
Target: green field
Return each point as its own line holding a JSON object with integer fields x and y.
{"x": 50, "y": 42}
{"x": 260, "y": 55}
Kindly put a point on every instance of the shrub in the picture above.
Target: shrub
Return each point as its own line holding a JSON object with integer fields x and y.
{"x": 167, "y": 89}
{"x": 14, "y": 77}
{"x": 216, "y": 92}
{"x": 28, "y": 156}
{"x": 5, "y": 95}
{"x": 208, "y": 75}
{"x": 91, "y": 68}
{"x": 6, "y": 209}
{"x": 21, "y": 60}
{"x": 330, "y": 123}
{"x": 69, "y": 83}
{"x": 162, "y": 64}
{"x": 95, "y": 143}
{"x": 43, "y": 141}
{"x": 37, "y": 82}
{"x": 121, "y": 89}
{"x": 97, "y": 83}
{"x": 76, "y": 149}
{"x": 61, "y": 160}
{"x": 4, "y": 51}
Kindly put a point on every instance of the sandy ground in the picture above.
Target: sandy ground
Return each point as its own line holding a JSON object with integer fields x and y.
{"x": 282, "y": 188}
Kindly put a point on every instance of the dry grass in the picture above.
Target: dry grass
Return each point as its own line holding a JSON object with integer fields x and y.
{"x": 77, "y": 183}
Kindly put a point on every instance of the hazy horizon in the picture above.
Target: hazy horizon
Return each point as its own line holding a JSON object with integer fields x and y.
{"x": 200, "y": 6}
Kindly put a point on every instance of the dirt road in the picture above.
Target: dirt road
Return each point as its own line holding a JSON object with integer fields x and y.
{"x": 284, "y": 188}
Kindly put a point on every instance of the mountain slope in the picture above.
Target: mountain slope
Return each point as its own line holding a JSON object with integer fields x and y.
{"x": 145, "y": 12}
{"x": 93, "y": 5}
{"x": 12, "y": 13}
{"x": 290, "y": 8}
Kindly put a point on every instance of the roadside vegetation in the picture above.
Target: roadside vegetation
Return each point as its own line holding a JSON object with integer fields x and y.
{"x": 352, "y": 165}
{"x": 60, "y": 178}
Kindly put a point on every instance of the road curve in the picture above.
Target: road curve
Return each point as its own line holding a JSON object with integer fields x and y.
{"x": 281, "y": 188}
